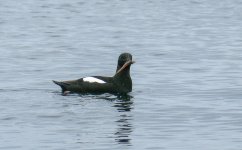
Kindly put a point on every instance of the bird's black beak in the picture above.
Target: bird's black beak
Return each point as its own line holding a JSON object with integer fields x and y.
{"x": 125, "y": 65}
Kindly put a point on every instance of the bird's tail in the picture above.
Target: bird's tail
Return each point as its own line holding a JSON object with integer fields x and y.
{"x": 63, "y": 85}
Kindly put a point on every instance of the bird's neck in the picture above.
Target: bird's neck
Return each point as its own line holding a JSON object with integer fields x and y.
{"x": 123, "y": 76}
{"x": 118, "y": 67}
{"x": 124, "y": 72}
{"x": 123, "y": 79}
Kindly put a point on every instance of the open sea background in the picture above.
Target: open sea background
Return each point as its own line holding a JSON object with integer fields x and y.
{"x": 187, "y": 80}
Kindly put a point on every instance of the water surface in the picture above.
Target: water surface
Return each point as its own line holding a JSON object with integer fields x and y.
{"x": 187, "y": 80}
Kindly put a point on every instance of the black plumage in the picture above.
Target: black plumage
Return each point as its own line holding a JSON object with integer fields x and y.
{"x": 121, "y": 82}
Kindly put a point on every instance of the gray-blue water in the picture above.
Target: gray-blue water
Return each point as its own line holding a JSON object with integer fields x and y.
{"x": 187, "y": 80}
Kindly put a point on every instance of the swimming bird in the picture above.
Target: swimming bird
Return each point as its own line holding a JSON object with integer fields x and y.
{"x": 121, "y": 82}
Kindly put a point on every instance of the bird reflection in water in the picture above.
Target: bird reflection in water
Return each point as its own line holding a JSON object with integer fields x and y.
{"x": 124, "y": 105}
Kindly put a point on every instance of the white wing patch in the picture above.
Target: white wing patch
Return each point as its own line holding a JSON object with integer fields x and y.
{"x": 92, "y": 79}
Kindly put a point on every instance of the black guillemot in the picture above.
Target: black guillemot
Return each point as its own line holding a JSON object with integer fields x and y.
{"x": 120, "y": 83}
